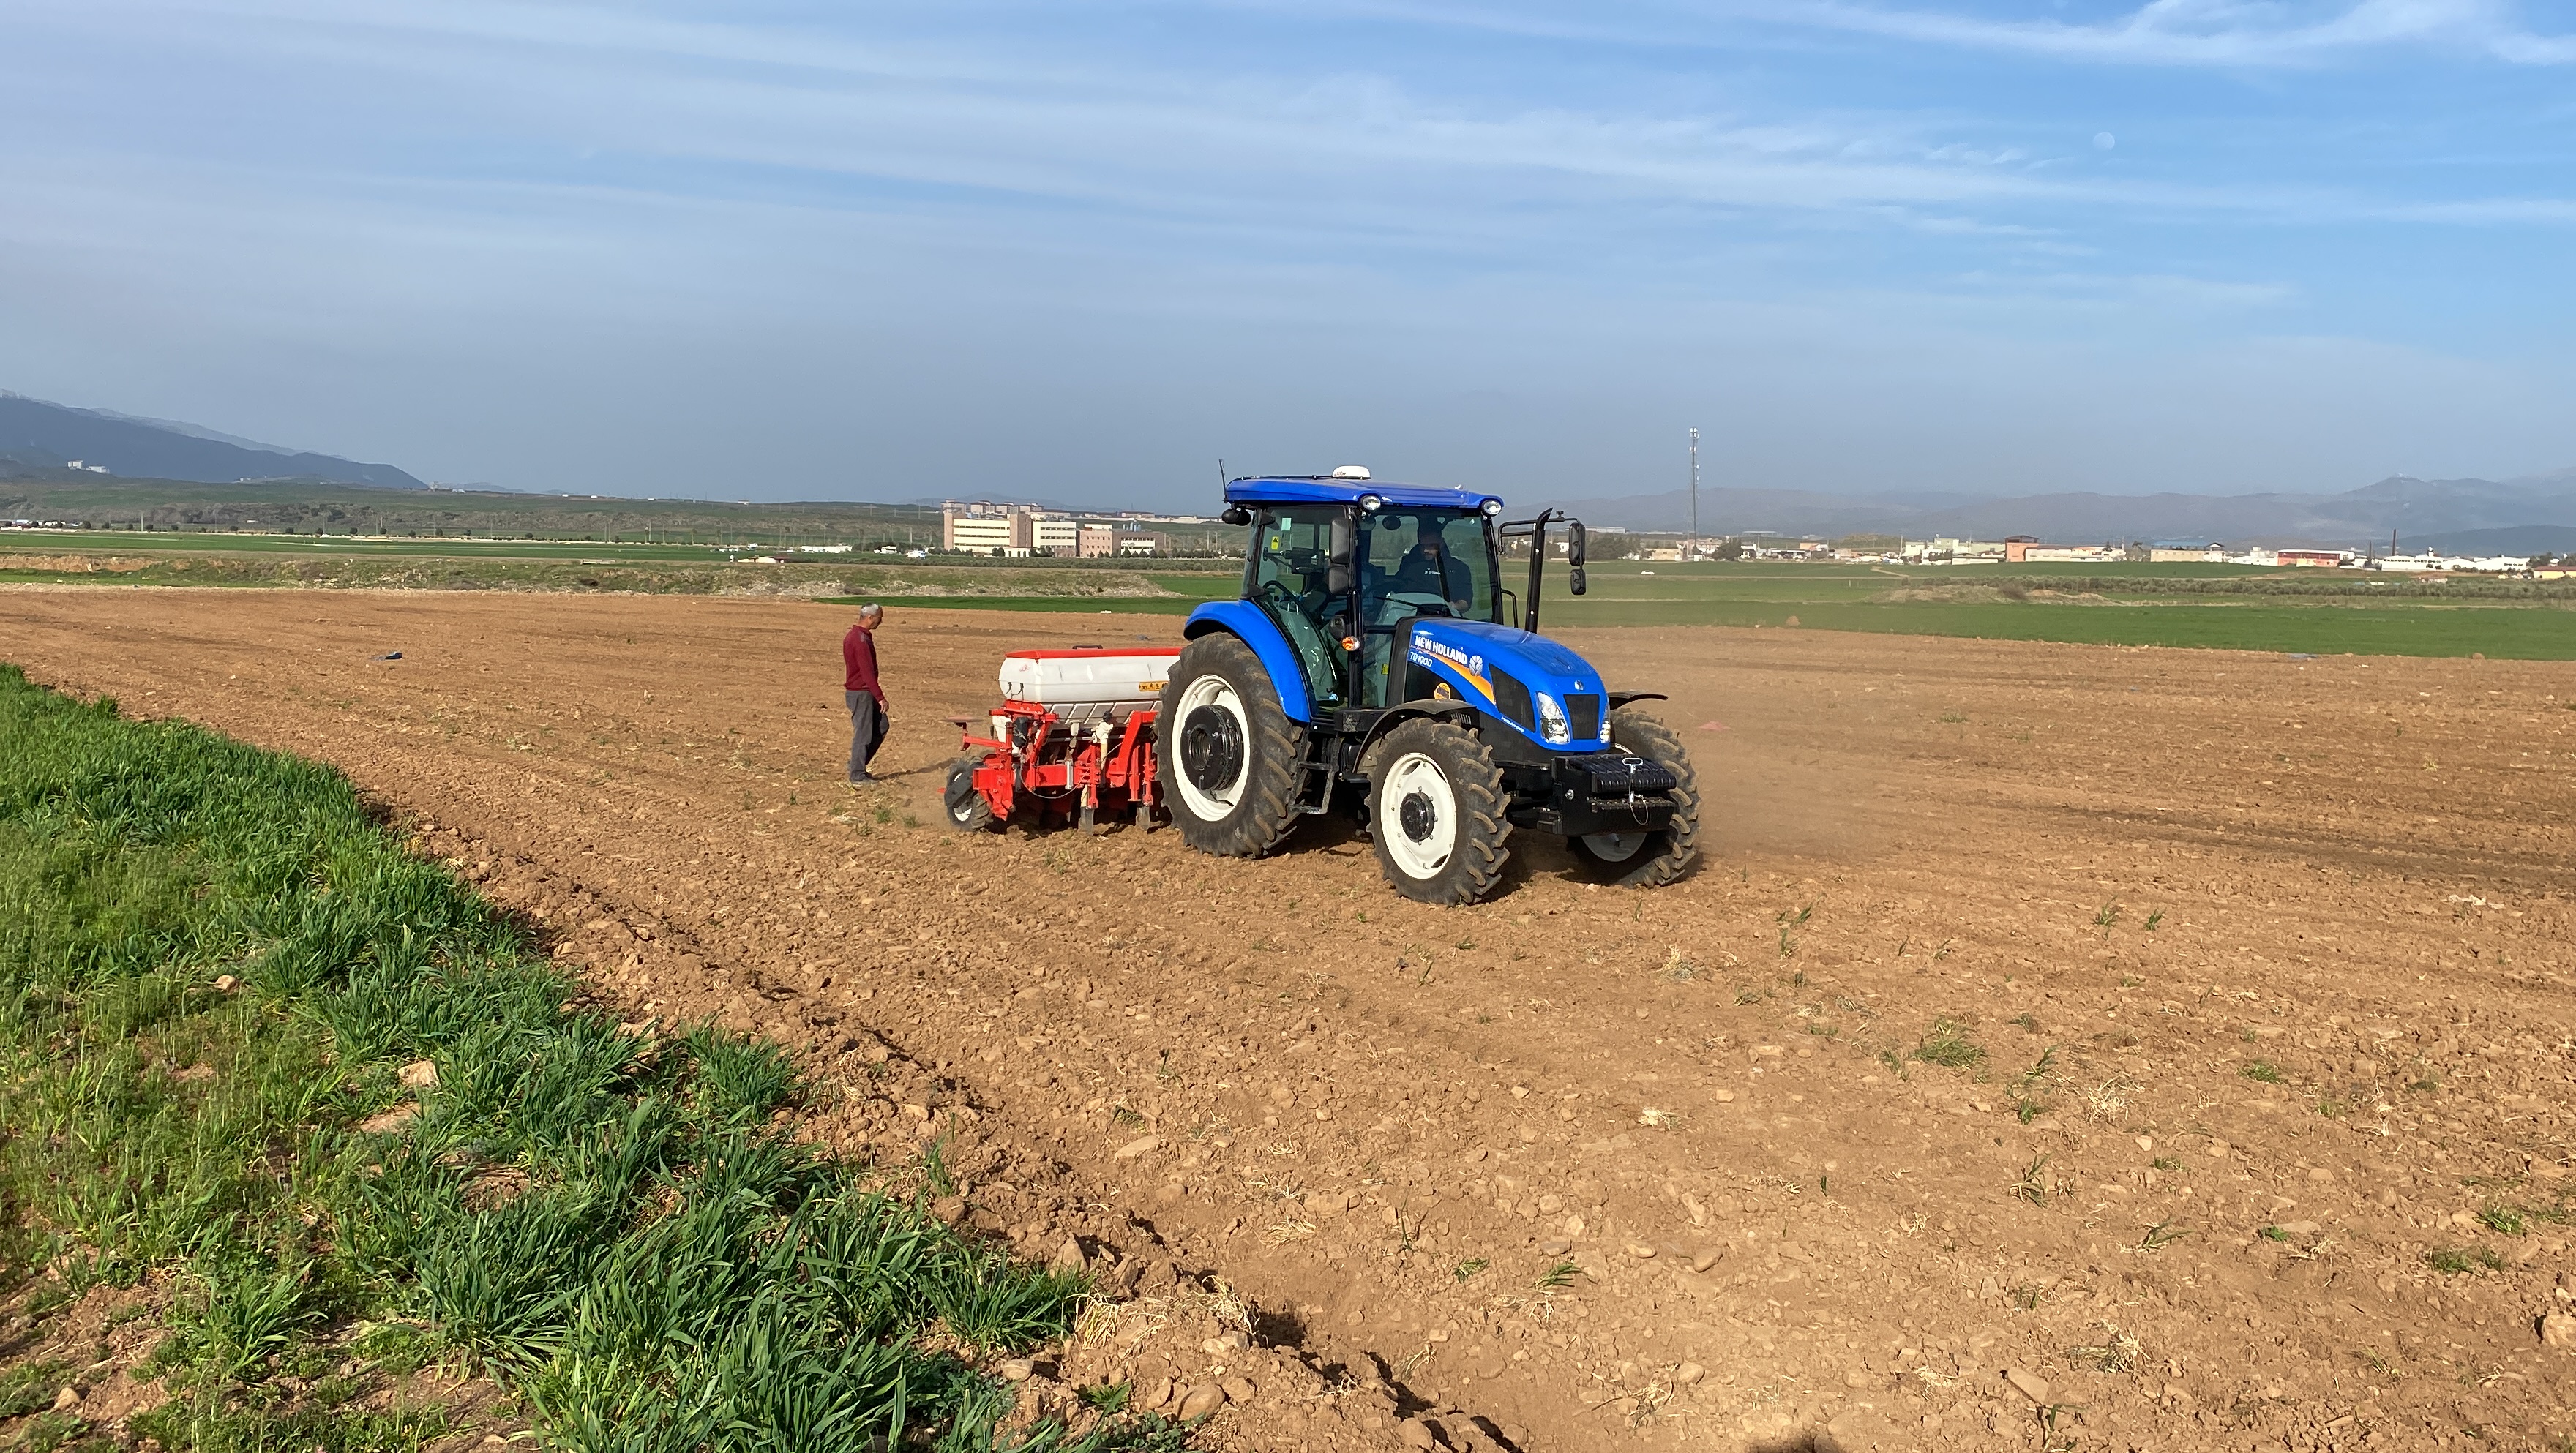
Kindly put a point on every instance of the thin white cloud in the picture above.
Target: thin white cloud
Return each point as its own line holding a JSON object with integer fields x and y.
{"x": 2239, "y": 34}
{"x": 2220, "y": 33}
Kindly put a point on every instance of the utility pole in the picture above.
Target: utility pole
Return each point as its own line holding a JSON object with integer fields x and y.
{"x": 1693, "y": 552}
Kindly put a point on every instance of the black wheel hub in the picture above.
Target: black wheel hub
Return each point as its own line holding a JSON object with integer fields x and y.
{"x": 1416, "y": 816}
{"x": 1211, "y": 748}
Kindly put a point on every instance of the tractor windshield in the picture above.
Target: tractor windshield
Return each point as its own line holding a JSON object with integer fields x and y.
{"x": 1417, "y": 562}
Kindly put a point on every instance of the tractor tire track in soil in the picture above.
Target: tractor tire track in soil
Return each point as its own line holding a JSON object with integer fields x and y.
{"x": 2059, "y": 1047}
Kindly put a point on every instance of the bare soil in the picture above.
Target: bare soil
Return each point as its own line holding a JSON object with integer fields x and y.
{"x": 2252, "y": 976}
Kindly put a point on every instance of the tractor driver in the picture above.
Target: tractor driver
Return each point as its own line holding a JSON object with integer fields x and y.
{"x": 1428, "y": 569}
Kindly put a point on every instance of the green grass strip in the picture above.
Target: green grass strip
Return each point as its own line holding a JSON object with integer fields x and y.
{"x": 606, "y": 1222}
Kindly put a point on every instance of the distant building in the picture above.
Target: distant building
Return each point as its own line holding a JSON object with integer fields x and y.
{"x": 1096, "y": 542}
{"x": 1950, "y": 551}
{"x": 2208, "y": 552}
{"x": 1056, "y": 534}
{"x": 2021, "y": 548}
{"x": 981, "y": 527}
{"x": 2310, "y": 559}
{"x": 978, "y": 528}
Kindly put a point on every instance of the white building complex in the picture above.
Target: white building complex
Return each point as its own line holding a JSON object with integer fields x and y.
{"x": 981, "y": 527}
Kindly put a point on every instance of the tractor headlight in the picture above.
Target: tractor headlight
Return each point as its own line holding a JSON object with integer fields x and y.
{"x": 1551, "y": 721}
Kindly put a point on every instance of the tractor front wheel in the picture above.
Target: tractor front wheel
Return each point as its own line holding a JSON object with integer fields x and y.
{"x": 1436, "y": 813}
{"x": 1640, "y": 859}
{"x": 966, "y": 808}
{"x": 1226, "y": 750}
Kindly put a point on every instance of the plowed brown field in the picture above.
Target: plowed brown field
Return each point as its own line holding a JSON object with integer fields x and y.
{"x": 2060, "y": 1046}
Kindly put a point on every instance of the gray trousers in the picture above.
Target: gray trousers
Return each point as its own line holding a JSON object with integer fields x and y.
{"x": 867, "y": 732}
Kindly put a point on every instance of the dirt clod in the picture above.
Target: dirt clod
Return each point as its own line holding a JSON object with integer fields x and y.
{"x": 1200, "y": 1401}
{"x": 420, "y": 1074}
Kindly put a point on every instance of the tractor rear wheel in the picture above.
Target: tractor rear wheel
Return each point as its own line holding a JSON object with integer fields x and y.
{"x": 1436, "y": 813}
{"x": 967, "y": 810}
{"x": 1646, "y": 859}
{"x": 1226, "y": 750}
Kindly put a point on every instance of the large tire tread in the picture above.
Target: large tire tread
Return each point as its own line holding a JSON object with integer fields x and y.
{"x": 963, "y": 806}
{"x": 1476, "y": 863}
{"x": 1267, "y": 812}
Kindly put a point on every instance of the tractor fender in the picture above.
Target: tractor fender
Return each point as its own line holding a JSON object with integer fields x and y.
{"x": 1245, "y": 622}
{"x": 1619, "y": 699}
{"x": 1462, "y": 712}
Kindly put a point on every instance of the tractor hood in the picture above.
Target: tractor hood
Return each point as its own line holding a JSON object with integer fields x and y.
{"x": 1519, "y": 676}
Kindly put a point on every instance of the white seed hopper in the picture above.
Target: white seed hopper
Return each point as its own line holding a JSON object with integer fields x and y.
{"x": 1088, "y": 681}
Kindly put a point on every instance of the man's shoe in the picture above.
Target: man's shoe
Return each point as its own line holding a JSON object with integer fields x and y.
{"x": 861, "y": 781}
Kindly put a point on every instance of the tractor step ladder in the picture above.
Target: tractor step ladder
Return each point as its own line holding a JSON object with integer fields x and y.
{"x": 1312, "y": 791}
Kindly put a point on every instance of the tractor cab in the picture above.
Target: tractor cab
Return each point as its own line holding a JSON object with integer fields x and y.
{"x": 1346, "y": 582}
{"x": 1377, "y": 658}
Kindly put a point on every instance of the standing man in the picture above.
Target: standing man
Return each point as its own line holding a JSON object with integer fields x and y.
{"x": 862, "y": 692}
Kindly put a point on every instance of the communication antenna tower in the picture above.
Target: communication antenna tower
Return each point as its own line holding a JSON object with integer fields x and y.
{"x": 1694, "y": 536}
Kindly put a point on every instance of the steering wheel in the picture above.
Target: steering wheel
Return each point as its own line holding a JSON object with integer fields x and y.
{"x": 1275, "y": 593}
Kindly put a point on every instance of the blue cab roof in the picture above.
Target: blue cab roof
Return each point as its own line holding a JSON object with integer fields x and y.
{"x": 1283, "y": 489}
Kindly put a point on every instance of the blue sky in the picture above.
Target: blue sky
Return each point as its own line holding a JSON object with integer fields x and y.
{"x": 773, "y": 250}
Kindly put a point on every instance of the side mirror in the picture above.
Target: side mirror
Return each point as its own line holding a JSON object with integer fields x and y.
{"x": 1574, "y": 580}
{"x": 1337, "y": 578}
{"x": 1236, "y": 515}
{"x": 1574, "y": 545}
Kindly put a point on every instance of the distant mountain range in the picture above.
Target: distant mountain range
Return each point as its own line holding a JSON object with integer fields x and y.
{"x": 35, "y": 434}
{"x": 2502, "y": 515}
{"x": 2525, "y": 515}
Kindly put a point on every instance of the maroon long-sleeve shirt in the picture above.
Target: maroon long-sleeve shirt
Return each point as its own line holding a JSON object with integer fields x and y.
{"x": 859, "y": 663}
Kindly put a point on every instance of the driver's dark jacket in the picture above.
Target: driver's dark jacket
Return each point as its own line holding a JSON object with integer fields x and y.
{"x": 1424, "y": 574}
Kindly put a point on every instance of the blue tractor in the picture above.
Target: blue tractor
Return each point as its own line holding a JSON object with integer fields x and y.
{"x": 1376, "y": 661}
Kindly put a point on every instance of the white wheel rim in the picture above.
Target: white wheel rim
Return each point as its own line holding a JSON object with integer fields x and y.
{"x": 1614, "y": 847}
{"x": 1205, "y": 804}
{"x": 1409, "y": 775}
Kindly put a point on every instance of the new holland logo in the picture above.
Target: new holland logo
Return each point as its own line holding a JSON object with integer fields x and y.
{"x": 1470, "y": 666}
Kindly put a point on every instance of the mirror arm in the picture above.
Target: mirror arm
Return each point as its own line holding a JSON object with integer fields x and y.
{"x": 1538, "y": 567}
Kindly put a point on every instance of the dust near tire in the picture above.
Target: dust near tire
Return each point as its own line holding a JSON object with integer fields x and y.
{"x": 1665, "y": 853}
